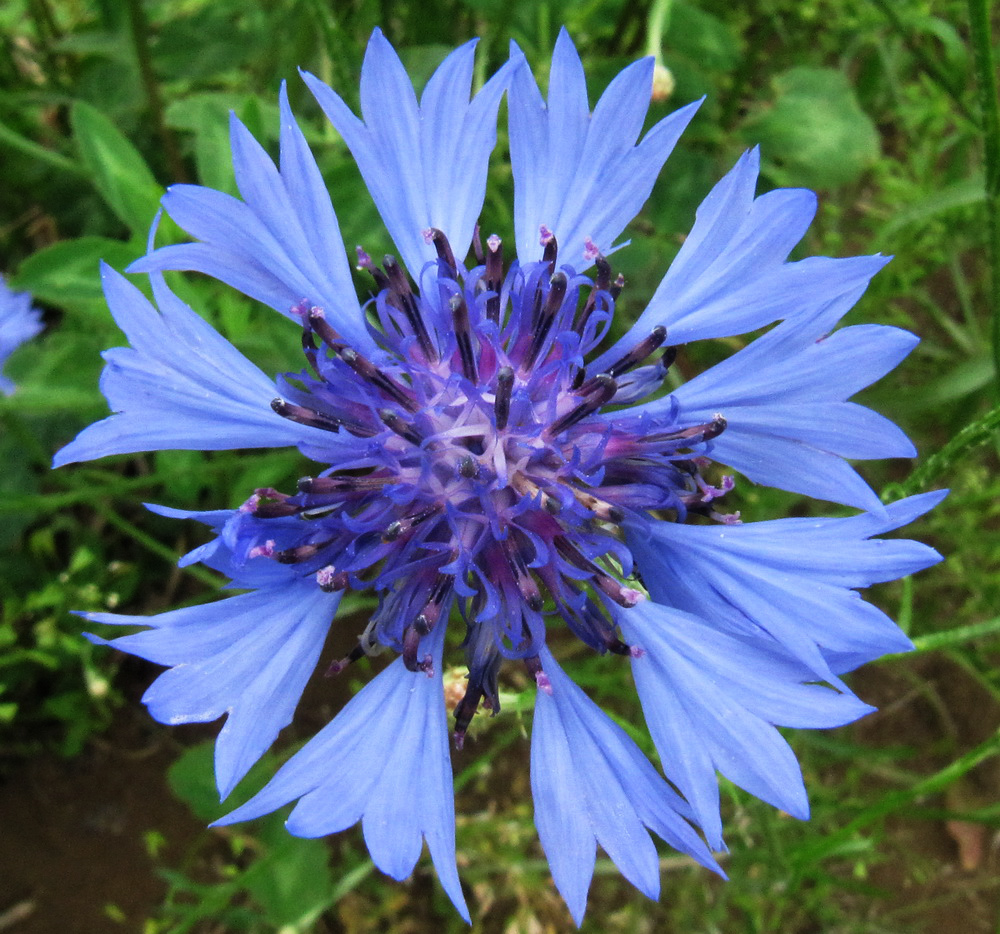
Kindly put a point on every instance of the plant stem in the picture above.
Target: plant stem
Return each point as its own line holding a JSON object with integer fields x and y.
{"x": 139, "y": 28}
{"x": 989, "y": 106}
{"x": 656, "y": 26}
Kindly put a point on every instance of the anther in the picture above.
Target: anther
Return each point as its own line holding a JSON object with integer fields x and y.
{"x": 300, "y": 553}
{"x": 319, "y": 324}
{"x": 443, "y": 247}
{"x": 501, "y": 404}
{"x": 617, "y": 286}
{"x": 396, "y": 423}
{"x": 603, "y": 392}
{"x": 477, "y": 244}
{"x": 494, "y": 276}
{"x": 268, "y": 503}
{"x": 526, "y": 486}
{"x": 330, "y": 579}
{"x": 320, "y": 486}
{"x": 553, "y": 302}
{"x": 395, "y": 529}
{"x": 551, "y": 251}
{"x": 639, "y": 353}
{"x": 599, "y": 507}
{"x": 468, "y": 467}
{"x": 463, "y": 335}
{"x": 400, "y": 289}
{"x": 411, "y": 645}
{"x": 522, "y": 578}
{"x": 368, "y": 371}
{"x": 602, "y": 283}
{"x": 356, "y": 654}
{"x": 304, "y": 416}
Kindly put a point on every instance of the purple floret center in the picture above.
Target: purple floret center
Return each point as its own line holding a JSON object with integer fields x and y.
{"x": 481, "y": 473}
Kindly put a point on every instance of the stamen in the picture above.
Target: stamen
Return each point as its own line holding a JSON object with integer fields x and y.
{"x": 501, "y": 403}
{"x": 617, "y": 286}
{"x": 368, "y": 371}
{"x": 526, "y": 486}
{"x": 603, "y": 510}
{"x": 395, "y": 529}
{"x": 602, "y": 283}
{"x": 463, "y": 334}
{"x": 693, "y": 435}
{"x": 356, "y": 654}
{"x": 300, "y": 553}
{"x": 522, "y": 577}
{"x": 319, "y": 486}
{"x": 639, "y": 353}
{"x": 411, "y": 645}
{"x": 557, "y": 292}
{"x": 534, "y": 666}
{"x": 278, "y": 508}
{"x": 400, "y": 289}
{"x": 443, "y": 247}
{"x": 304, "y": 416}
{"x": 603, "y": 392}
{"x": 396, "y": 423}
{"x": 318, "y": 322}
{"x": 623, "y": 596}
{"x": 477, "y": 244}
{"x": 330, "y": 579}
{"x": 548, "y": 240}
{"x": 494, "y": 276}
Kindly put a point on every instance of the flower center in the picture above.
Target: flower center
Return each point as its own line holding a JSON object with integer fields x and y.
{"x": 482, "y": 467}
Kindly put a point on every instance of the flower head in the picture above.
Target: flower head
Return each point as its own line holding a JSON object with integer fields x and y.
{"x": 19, "y": 322}
{"x": 482, "y": 455}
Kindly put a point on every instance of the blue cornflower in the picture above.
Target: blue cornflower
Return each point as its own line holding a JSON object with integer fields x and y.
{"x": 19, "y": 322}
{"x": 480, "y": 457}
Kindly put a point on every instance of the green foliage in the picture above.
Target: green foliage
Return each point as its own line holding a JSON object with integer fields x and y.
{"x": 815, "y": 134}
{"x": 870, "y": 101}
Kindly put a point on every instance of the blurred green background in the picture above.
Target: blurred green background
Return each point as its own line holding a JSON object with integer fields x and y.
{"x": 102, "y": 104}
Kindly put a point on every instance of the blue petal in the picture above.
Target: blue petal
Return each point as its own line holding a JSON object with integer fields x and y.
{"x": 424, "y": 164}
{"x": 281, "y": 245}
{"x": 181, "y": 385}
{"x": 712, "y": 701}
{"x": 788, "y": 423}
{"x": 383, "y": 760}
{"x": 591, "y": 784}
{"x": 789, "y": 578}
{"x": 19, "y": 322}
{"x": 583, "y": 176}
{"x": 731, "y": 274}
{"x": 248, "y": 657}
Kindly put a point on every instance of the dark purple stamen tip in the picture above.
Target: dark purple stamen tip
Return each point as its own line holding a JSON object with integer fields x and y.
{"x": 443, "y": 248}
{"x": 396, "y": 423}
{"x": 381, "y": 381}
{"x": 319, "y": 324}
{"x": 463, "y": 335}
{"x": 501, "y": 404}
{"x": 338, "y": 666}
{"x": 546, "y": 316}
{"x": 604, "y": 389}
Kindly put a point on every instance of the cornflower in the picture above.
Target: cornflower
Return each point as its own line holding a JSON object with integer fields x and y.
{"x": 19, "y": 322}
{"x": 486, "y": 456}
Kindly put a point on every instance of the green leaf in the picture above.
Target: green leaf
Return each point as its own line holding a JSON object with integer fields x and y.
{"x": 118, "y": 171}
{"x": 192, "y": 779}
{"x": 961, "y": 194}
{"x": 67, "y": 273}
{"x": 292, "y": 882}
{"x": 206, "y": 115}
{"x": 815, "y": 133}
